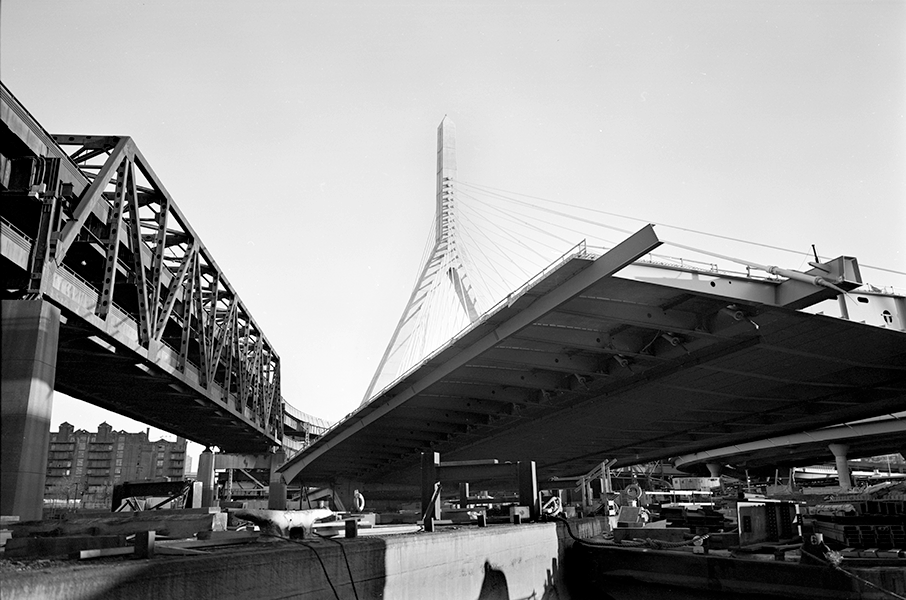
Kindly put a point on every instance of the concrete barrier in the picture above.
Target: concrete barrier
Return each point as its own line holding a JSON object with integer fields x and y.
{"x": 499, "y": 562}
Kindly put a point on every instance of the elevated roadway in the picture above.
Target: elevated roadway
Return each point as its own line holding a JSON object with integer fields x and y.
{"x": 862, "y": 439}
{"x": 150, "y": 327}
{"x": 111, "y": 297}
{"x": 617, "y": 358}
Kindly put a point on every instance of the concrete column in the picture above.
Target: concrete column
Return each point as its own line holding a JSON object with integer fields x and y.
{"x": 430, "y": 465}
{"x": 229, "y": 486}
{"x": 31, "y": 330}
{"x": 840, "y": 451}
{"x": 528, "y": 487}
{"x": 206, "y": 477}
{"x": 714, "y": 469}
{"x": 464, "y": 496}
{"x": 276, "y": 488}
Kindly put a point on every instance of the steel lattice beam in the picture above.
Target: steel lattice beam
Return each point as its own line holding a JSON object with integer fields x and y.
{"x": 108, "y": 245}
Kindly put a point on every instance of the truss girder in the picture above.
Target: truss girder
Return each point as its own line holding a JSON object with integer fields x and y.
{"x": 113, "y": 250}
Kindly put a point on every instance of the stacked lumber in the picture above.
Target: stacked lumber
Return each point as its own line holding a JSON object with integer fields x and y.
{"x": 871, "y": 518}
{"x": 112, "y": 532}
{"x": 5, "y": 532}
{"x": 704, "y": 518}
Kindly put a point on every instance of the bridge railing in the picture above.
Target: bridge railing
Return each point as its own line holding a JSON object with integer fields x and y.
{"x": 316, "y": 425}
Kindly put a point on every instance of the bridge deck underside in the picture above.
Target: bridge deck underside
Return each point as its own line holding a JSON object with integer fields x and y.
{"x": 626, "y": 370}
{"x": 114, "y": 381}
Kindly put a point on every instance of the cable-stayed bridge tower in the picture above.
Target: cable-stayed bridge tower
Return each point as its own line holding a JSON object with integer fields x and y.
{"x": 443, "y": 300}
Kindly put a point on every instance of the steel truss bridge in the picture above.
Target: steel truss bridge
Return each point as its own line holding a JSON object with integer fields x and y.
{"x": 151, "y": 327}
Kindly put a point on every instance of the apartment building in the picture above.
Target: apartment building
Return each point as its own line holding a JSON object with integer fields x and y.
{"x": 84, "y": 466}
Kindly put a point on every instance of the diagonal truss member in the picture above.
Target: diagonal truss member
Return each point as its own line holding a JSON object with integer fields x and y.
{"x": 443, "y": 276}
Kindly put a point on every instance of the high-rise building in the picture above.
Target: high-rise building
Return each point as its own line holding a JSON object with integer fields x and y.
{"x": 85, "y": 466}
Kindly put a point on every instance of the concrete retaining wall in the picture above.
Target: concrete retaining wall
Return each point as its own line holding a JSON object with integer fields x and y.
{"x": 502, "y": 562}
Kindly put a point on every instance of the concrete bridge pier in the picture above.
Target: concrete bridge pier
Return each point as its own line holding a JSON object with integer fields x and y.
{"x": 840, "y": 451}
{"x": 31, "y": 331}
{"x": 276, "y": 487}
{"x": 206, "y": 477}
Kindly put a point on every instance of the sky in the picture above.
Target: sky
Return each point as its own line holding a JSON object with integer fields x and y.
{"x": 299, "y": 138}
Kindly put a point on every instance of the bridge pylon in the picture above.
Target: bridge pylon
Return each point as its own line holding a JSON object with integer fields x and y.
{"x": 443, "y": 300}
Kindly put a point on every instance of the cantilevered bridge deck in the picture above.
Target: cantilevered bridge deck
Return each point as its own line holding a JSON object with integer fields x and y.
{"x": 610, "y": 358}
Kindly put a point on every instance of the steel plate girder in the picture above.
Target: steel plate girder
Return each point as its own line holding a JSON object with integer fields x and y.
{"x": 511, "y": 377}
{"x": 719, "y": 286}
{"x": 406, "y": 422}
{"x": 539, "y": 359}
{"x": 475, "y": 393}
{"x": 645, "y": 345}
{"x": 417, "y": 438}
{"x": 418, "y": 411}
{"x": 579, "y": 340}
{"x": 468, "y": 404}
{"x": 385, "y": 444}
{"x": 374, "y": 456}
{"x": 722, "y": 394}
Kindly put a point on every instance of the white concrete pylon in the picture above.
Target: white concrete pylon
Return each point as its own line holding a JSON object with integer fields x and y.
{"x": 446, "y": 239}
{"x": 443, "y": 299}
{"x": 840, "y": 451}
